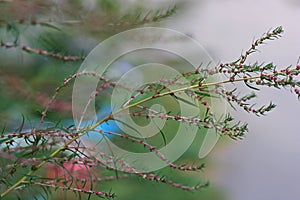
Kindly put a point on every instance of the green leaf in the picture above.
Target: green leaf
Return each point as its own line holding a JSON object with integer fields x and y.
{"x": 204, "y": 94}
{"x": 183, "y": 100}
{"x": 22, "y": 124}
{"x": 129, "y": 127}
{"x": 164, "y": 137}
{"x": 250, "y": 86}
{"x": 48, "y": 25}
{"x": 13, "y": 29}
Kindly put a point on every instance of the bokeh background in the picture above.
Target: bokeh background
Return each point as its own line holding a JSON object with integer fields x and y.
{"x": 262, "y": 166}
{"x": 265, "y": 164}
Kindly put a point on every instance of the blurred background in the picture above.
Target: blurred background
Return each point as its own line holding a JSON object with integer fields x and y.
{"x": 262, "y": 166}
{"x": 265, "y": 164}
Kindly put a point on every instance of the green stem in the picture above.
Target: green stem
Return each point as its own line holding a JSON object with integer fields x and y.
{"x": 55, "y": 153}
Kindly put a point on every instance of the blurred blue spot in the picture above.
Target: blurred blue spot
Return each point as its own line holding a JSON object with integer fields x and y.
{"x": 106, "y": 126}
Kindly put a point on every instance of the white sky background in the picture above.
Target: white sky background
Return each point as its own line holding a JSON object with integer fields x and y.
{"x": 266, "y": 164}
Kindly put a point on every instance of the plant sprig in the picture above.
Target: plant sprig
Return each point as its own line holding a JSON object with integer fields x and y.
{"x": 253, "y": 76}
